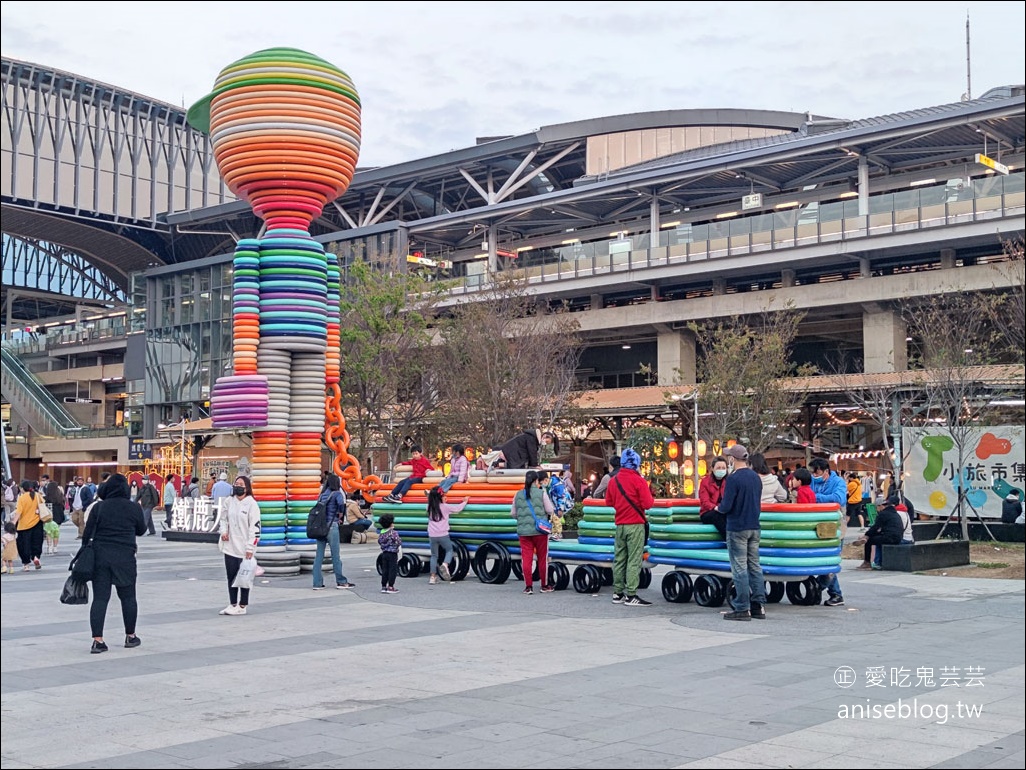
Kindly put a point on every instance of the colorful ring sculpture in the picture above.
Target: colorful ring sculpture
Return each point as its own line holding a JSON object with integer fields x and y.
{"x": 285, "y": 129}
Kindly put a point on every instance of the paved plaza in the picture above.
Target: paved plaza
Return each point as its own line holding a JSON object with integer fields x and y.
{"x": 474, "y": 675}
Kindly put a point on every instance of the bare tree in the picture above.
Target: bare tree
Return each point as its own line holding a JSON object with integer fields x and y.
{"x": 956, "y": 338}
{"x": 742, "y": 366}
{"x": 386, "y": 356}
{"x": 1007, "y": 309}
{"x": 505, "y": 363}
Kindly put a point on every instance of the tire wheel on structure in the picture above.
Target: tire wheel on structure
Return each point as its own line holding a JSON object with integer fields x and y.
{"x": 492, "y": 563}
{"x": 774, "y": 591}
{"x": 460, "y": 564}
{"x": 644, "y": 579}
{"x": 409, "y": 565}
{"x": 708, "y": 591}
{"x": 586, "y": 579}
{"x": 518, "y": 570}
{"x": 677, "y": 587}
{"x": 379, "y": 564}
{"x": 804, "y": 593}
{"x": 729, "y": 590}
{"x": 606, "y": 574}
{"x": 559, "y": 576}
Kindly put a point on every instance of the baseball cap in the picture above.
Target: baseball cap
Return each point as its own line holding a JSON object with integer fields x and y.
{"x": 223, "y": 477}
{"x": 738, "y": 452}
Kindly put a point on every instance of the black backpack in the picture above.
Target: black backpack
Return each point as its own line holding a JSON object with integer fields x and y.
{"x": 317, "y": 522}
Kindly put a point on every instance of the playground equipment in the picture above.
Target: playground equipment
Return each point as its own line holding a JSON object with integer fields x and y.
{"x": 799, "y": 543}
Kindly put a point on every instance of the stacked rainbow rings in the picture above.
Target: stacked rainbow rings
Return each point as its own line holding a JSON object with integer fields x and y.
{"x": 285, "y": 130}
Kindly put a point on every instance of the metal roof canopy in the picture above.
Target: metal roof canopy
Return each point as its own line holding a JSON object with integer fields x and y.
{"x": 824, "y": 152}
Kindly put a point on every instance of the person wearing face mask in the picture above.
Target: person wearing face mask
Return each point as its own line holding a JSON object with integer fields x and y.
{"x": 240, "y": 531}
{"x": 710, "y": 492}
{"x": 828, "y": 487}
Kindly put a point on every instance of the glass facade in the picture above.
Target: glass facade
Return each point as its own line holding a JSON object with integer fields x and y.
{"x": 188, "y": 339}
{"x": 188, "y": 325}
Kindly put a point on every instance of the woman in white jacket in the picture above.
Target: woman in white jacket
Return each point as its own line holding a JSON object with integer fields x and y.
{"x": 240, "y": 531}
{"x": 772, "y": 490}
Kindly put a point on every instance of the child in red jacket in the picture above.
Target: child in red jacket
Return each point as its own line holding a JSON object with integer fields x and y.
{"x": 421, "y": 466}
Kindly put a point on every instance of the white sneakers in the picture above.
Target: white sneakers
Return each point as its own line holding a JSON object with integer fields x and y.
{"x": 233, "y": 609}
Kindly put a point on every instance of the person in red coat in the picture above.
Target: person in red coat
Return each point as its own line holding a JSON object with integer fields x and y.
{"x": 710, "y": 492}
{"x": 630, "y": 496}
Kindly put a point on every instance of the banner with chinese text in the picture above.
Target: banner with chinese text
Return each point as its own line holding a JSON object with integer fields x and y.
{"x": 994, "y": 464}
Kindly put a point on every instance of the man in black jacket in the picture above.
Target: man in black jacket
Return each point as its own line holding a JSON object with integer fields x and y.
{"x": 148, "y": 499}
{"x": 887, "y": 530}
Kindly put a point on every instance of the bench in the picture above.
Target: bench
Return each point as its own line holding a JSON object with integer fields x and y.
{"x": 929, "y": 554}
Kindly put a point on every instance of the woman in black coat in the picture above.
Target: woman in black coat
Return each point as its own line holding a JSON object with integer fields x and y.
{"x": 111, "y": 530}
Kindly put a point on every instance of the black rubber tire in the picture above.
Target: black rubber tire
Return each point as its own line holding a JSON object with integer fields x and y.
{"x": 559, "y": 576}
{"x": 804, "y": 593}
{"x": 409, "y": 565}
{"x": 677, "y": 587}
{"x": 606, "y": 574}
{"x": 377, "y": 564}
{"x": 518, "y": 570}
{"x": 492, "y": 563}
{"x": 774, "y": 591}
{"x": 645, "y": 578}
{"x": 460, "y": 564}
{"x": 708, "y": 591}
{"x": 586, "y": 579}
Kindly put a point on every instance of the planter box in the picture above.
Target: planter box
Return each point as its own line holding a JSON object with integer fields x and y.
{"x": 930, "y": 554}
{"x": 1006, "y": 533}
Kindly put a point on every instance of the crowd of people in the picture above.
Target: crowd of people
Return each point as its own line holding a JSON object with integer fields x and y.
{"x": 110, "y": 516}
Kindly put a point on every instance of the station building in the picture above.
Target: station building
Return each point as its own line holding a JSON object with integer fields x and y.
{"x": 117, "y": 265}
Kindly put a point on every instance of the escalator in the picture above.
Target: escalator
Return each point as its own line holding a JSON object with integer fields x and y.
{"x": 36, "y": 405}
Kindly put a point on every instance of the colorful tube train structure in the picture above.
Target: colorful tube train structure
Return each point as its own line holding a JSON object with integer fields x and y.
{"x": 798, "y": 543}
{"x": 284, "y": 126}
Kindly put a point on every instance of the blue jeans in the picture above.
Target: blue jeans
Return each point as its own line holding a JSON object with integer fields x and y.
{"x": 336, "y": 560}
{"x": 442, "y": 543}
{"x": 404, "y": 486}
{"x": 447, "y": 482}
{"x": 743, "y": 547}
{"x": 361, "y": 525}
{"x": 830, "y": 584}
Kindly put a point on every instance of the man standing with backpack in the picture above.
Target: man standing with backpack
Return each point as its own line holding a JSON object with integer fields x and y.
{"x": 148, "y": 500}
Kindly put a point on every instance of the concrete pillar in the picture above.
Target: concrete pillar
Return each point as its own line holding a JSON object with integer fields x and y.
{"x": 675, "y": 357}
{"x": 865, "y": 268}
{"x": 787, "y": 277}
{"x": 653, "y": 215}
{"x": 493, "y": 258}
{"x": 947, "y": 258}
{"x": 596, "y": 301}
{"x": 883, "y": 341}
{"x": 863, "y": 186}
{"x": 719, "y": 286}
{"x": 654, "y": 294}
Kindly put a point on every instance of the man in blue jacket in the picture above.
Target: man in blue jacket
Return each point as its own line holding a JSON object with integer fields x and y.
{"x": 829, "y": 487}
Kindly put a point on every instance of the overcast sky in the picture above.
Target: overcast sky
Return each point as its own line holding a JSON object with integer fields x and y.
{"x": 434, "y": 76}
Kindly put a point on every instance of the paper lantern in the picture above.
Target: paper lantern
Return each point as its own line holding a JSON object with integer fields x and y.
{"x": 672, "y": 450}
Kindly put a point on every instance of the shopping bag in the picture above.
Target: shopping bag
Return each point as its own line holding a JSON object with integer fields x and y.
{"x": 247, "y": 573}
{"x": 75, "y": 591}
